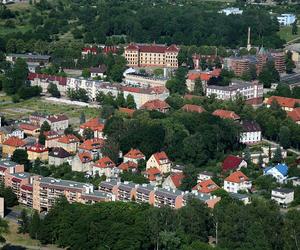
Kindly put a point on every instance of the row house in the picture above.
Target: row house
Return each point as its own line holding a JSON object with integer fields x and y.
{"x": 56, "y": 122}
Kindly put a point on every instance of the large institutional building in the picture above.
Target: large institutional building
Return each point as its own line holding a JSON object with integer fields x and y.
{"x": 152, "y": 55}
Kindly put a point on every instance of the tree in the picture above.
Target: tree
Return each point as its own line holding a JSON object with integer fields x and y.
{"x": 285, "y": 137}
{"x": 130, "y": 103}
{"x": 120, "y": 100}
{"x": 198, "y": 89}
{"x": 3, "y": 229}
{"x": 82, "y": 118}
{"x": 268, "y": 75}
{"x": 260, "y": 160}
{"x": 20, "y": 156}
{"x": 45, "y": 126}
{"x": 24, "y": 222}
{"x": 35, "y": 225}
{"x": 277, "y": 158}
{"x": 294, "y": 28}
{"x": 53, "y": 90}
{"x": 289, "y": 63}
{"x": 86, "y": 73}
{"x": 107, "y": 111}
{"x": 10, "y": 198}
{"x": 247, "y": 155}
{"x": 88, "y": 133}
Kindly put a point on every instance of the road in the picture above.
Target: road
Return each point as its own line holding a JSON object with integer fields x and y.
{"x": 295, "y": 151}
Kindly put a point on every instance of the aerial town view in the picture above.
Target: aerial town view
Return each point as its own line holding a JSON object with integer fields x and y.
{"x": 150, "y": 124}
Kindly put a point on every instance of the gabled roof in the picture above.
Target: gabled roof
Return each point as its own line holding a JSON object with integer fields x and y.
{"x": 294, "y": 115}
{"x": 105, "y": 162}
{"x": 37, "y": 148}
{"x": 135, "y": 154}
{"x": 14, "y": 142}
{"x": 101, "y": 69}
{"x": 193, "y": 108}
{"x": 226, "y": 114}
{"x": 281, "y": 168}
{"x": 206, "y": 186}
{"x": 57, "y": 118}
{"x": 90, "y": 144}
{"x": 250, "y": 126}
{"x": 68, "y": 139}
{"x": 28, "y": 126}
{"x": 177, "y": 179}
{"x": 59, "y": 153}
{"x": 50, "y": 135}
{"x": 60, "y": 79}
{"x": 231, "y": 162}
{"x": 125, "y": 166}
{"x": 85, "y": 157}
{"x": 155, "y": 105}
{"x": 160, "y": 157}
{"x": 283, "y": 101}
{"x": 127, "y": 111}
{"x": 152, "y": 173}
{"x": 94, "y": 124}
{"x": 237, "y": 177}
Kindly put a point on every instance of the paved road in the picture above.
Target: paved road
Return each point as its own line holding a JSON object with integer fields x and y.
{"x": 295, "y": 151}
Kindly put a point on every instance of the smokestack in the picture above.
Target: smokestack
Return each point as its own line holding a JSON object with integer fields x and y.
{"x": 249, "y": 37}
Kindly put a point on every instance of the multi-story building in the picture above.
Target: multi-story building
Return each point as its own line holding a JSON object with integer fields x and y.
{"x": 56, "y": 122}
{"x": 69, "y": 143}
{"x": 11, "y": 144}
{"x": 37, "y": 151}
{"x": 171, "y": 198}
{"x": 58, "y": 156}
{"x": 161, "y": 161}
{"x": 250, "y": 133}
{"x": 152, "y": 55}
{"x": 283, "y": 196}
{"x": 248, "y": 90}
{"x": 239, "y": 65}
{"x": 286, "y": 19}
{"x": 9, "y": 167}
{"x": 279, "y": 61}
{"x": 231, "y": 11}
{"x": 16, "y": 180}
{"x": 134, "y": 155}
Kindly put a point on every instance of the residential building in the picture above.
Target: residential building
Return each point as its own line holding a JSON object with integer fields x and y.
{"x": 296, "y": 181}
{"x": 173, "y": 181}
{"x": 287, "y": 104}
{"x": 154, "y": 176}
{"x": 88, "y": 51}
{"x": 98, "y": 71}
{"x": 232, "y": 162}
{"x": 131, "y": 77}
{"x": 110, "y": 187}
{"x": 226, "y": 114}
{"x": 126, "y": 191}
{"x": 286, "y": 19}
{"x": 82, "y": 162}
{"x": 145, "y": 194}
{"x": 152, "y": 55}
{"x": 245, "y": 198}
{"x": 283, "y": 196}
{"x": 250, "y": 132}
{"x": 205, "y": 175}
{"x": 239, "y": 65}
{"x": 11, "y": 131}
{"x": 158, "y": 105}
{"x": 128, "y": 166}
{"x": 37, "y": 151}
{"x": 11, "y": 144}
{"x": 206, "y": 187}
{"x": 68, "y": 142}
{"x": 208, "y": 199}
{"x": 30, "y": 129}
{"x": 16, "y": 180}
{"x": 26, "y": 195}
{"x": 58, "y": 156}
{"x": 160, "y": 161}
{"x": 279, "y": 61}
{"x": 237, "y": 181}
{"x": 96, "y": 125}
{"x": 105, "y": 166}
{"x": 128, "y": 112}
{"x": 134, "y": 155}
{"x": 264, "y": 153}
{"x": 248, "y": 90}
{"x": 56, "y": 122}
{"x": 9, "y": 167}
{"x": 165, "y": 197}
{"x": 92, "y": 146}
{"x": 231, "y": 11}
{"x": 51, "y": 138}
{"x": 193, "y": 108}
{"x": 295, "y": 115}
{"x": 279, "y": 172}
{"x": 204, "y": 76}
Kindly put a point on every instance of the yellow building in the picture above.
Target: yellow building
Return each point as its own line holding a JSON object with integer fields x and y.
{"x": 11, "y": 144}
{"x": 37, "y": 151}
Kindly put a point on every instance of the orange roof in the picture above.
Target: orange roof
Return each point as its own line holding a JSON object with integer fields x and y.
{"x": 283, "y": 101}
{"x": 155, "y": 105}
{"x": 93, "y": 124}
{"x": 177, "y": 179}
{"x": 152, "y": 173}
{"x": 14, "y": 142}
{"x": 127, "y": 111}
{"x": 237, "y": 177}
{"x": 226, "y": 114}
{"x": 161, "y": 156}
{"x": 67, "y": 139}
{"x": 206, "y": 186}
{"x": 105, "y": 162}
{"x": 90, "y": 144}
{"x": 28, "y": 126}
{"x": 85, "y": 157}
{"x": 135, "y": 154}
{"x": 193, "y": 108}
{"x": 203, "y": 76}
{"x": 125, "y": 166}
{"x": 295, "y": 114}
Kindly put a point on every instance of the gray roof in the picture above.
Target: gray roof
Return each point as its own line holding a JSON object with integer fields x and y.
{"x": 7, "y": 163}
{"x": 294, "y": 47}
{"x": 27, "y": 56}
{"x": 199, "y": 196}
{"x": 238, "y": 196}
{"x": 59, "y": 153}
{"x": 97, "y": 194}
{"x": 108, "y": 184}
{"x": 144, "y": 188}
{"x": 172, "y": 194}
{"x": 63, "y": 183}
{"x": 23, "y": 175}
{"x": 283, "y": 190}
{"x": 126, "y": 186}
{"x": 250, "y": 126}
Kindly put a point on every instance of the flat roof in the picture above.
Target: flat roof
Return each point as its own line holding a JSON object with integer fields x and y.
{"x": 63, "y": 183}
{"x": 283, "y": 190}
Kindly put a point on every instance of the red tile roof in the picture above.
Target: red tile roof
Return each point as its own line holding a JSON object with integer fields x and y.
{"x": 191, "y": 97}
{"x": 283, "y": 101}
{"x": 105, "y": 162}
{"x": 28, "y": 126}
{"x": 125, "y": 166}
{"x": 85, "y": 157}
{"x": 155, "y": 105}
{"x": 50, "y": 135}
{"x": 231, "y": 162}
{"x": 294, "y": 115}
{"x": 177, "y": 179}
{"x": 67, "y": 139}
{"x": 152, "y": 173}
{"x": 206, "y": 186}
{"x": 237, "y": 177}
{"x": 161, "y": 156}
{"x": 90, "y": 144}
{"x": 135, "y": 154}
{"x": 193, "y": 108}
{"x": 94, "y": 124}
{"x": 203, "y": 76}
{"x": 127, "y": 111}
{"x": 37, "y": 148}
{"x": 60, "y": 79}
{"x": 226, "y": 114}
{"x": 14, "y": 142}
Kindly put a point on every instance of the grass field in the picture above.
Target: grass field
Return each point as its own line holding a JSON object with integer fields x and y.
{"x": 286, "y": 34}
{"x": 24, "y": 108}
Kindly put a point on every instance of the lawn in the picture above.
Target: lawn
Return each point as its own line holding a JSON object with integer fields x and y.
{"x": 24, "y": 108}
{"x": 286, "y": 34}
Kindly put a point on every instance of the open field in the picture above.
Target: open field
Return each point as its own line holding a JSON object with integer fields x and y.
{"x": 286, "y": 34}
{"x": 24, "y": 108}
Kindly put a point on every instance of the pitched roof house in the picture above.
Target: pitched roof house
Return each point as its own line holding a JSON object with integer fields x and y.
{"x": 153, "y": 175}
{"x": 193, "y": 108}
{"x": 160, "y": 161}
{"x": 226, "y": 114}
{"x": 157, "y": 105}
{"x": 285, "y": 103}
{"x": 237, "y": 181}
{"x": 37, "y": 151}
{"x": 295, "y": 115}
{"x": 134, "y": 155}
{"x": 69, "y": 142}
{"x": 96, "y": 125}
{"x": 206, "y": 186}
{"x": 232, "y": 162}
{"x": 105, "y": 166}
{"x": 279, "y": 172}
{"x": 173, "y": 181}
{"x": 11, "y": 144}
{"x": 251, "y": 132}
{"x": 82, "y": 162}
{"x": 128, "y": 166}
